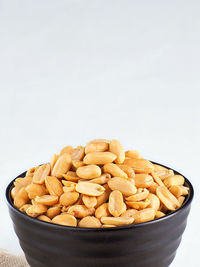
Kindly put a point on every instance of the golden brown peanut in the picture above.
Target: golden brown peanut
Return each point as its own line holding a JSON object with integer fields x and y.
{"x": 101, "y": 179}
{"x": 138, "y": 205}
{"x": 62, "y": 165}
{"x": 21, "y": 198}
{"x": 174, "y": 180}
{"x": 71, "y": 176}
{"x": 108, "y": 226}
{"x": 104, "y": 197}
{"x": 143, "y": 180}
{"x": 41, "y": 173}
{"x": 99, "y": 141}
{"x": 44, "y": 218}
{"x": 65, "y": 219}
{"x": 134, "y": 154}
{"x": 127, "y": 169}
{"x": 178, "y": 190}
{"x": 116, "y": 148}
{"x": 34, "y": 190}
{"x": 89, "y": 221}
{"x": 157, "y": 179}
{"x": 90, "y": 189}
{"x": 89, "y": 172}
{"x": 140, "y": 165}
{"x": 152, "y": 188}
{"x": 77, "y": 163}
{"x": 69, "y": 198}
{"x": 181, "y": 200}
{"x": 68, "y": 189}
{"x": 13, "y": 192}
{"x": 159, "y": 214}
{"x": 154, "y": 201}
{"x": 115, "y": 204}
{"x": 53, "y": 211}
{"x": 162, "y": 172}
{"x": 118, "y": 221}
{"x": 54, "y": 186}
{"x": 114, "y": 170}
{"x": 47, "y": 200}
{"x": 81, "y": 211}
{"x": 126, "y": 187}
{"x": 36, "y": 210}
{"x": 90, "y": 202}
{"x": 129, "y": 213}
{"x": 96, "y": 147}
{"x": 53, "y": 161}
{"x": 141, "y": 194}
{"x": 30, "y": 172}
{"x": 78, "y": 153}
{"x": 167, "y": 198}
{"x": 102, "y": 211}
{"x": 66, "y": 149}
{"x": 99, "y": 158}
{"x": 144, "y": 215}
{"x": 25, "y": 207}
{"x": 22, "y": 182}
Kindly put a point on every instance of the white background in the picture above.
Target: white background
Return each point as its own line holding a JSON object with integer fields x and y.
{"x": 71, "y": 71}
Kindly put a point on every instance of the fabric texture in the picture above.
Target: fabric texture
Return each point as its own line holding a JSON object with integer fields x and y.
{"x": 9, "y": 260}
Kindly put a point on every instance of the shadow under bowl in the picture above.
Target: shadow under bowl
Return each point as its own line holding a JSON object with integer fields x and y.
{"x": 150, "y": 244}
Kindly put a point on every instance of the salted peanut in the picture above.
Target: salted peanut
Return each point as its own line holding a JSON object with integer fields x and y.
{"x": 53, "y": 161}
{"x": 114, "y": 170}
{"x": 115, "y": 204}
{"x": 22, "y": 182}
{"x": 89, "y": 221}
{"x": 116, "y": 148}
{"x": 167, "y": 198}
{"x": 25, "y": 207}
{"x": 181, "y": 200}
{"x": 53, "y": 211}
{"x": 78, "y": 153}
{"x": 152, "y": 188}
{"x": 62, "y": 166}
{"x": 143, "y": 180}
{"x": 126, "y": 187}
{"x": 99, "y": 158}
{"x": 159, "y": 214}
{"x": 101, "y": 179}
{"x": 99, "y": 141}
{"x": 47, "y": 200}
{"x": 157, "y": 179}
{"x": 178, "y": 190}
{"x": 127, "y": 169}
{"x": 174, "y": 180}
{"x": 36, "y": 210}
{"x": 44, "y": 218}
{"x": 66, "y": 149}
{"x": 104, "y": 197}
{"x": 144, "y": 215}
{"x": 77, "y": 163}
{"x": 133, "y": 154}
{"x": 65, "y": 219}
{"x": 30, "y": 172}
{"x": 41, "y": 173}
{"x": 162, "y": 172}
{"x": 81, "y": 211}
{"x": 141, "y": 194}
{"x": 54, "y": 186}
{"x": 89, "y": 172}
{"x": 118, "y": 221}
{"x": 89, "y": 202}
{"x": 71, "y": 176}
{"x": 140, "y": 165}
{"x": 102, "y": 211}
{"x": 90, "y": 189}
{"x": 21, "y": 198}
{"x": 129, "y": 213}
{"x": 138, "y": 205}
{"x": 154, "y": 201}
{"x": 34, "y": 190}
{"x": 108, "y": 226}
{"x": 69, "y": 198}
{"x": 96, "y": 147}
{"x": 68, "y": 189}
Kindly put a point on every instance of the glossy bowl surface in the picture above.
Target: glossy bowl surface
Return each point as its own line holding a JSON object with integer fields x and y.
{"x": 150, "y": 244}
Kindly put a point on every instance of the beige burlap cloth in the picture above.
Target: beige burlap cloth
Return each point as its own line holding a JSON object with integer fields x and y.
{"x": 9, "y": 260}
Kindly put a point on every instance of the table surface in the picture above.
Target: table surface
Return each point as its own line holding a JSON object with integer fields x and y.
{"x": 71, "y": 71}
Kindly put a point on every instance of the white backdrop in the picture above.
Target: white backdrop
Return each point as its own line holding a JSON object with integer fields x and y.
{"x": 71, "y": 71}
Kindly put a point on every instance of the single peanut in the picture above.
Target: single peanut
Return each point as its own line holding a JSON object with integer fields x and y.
{"x": 116, "y": 148}
{"x": 90, "y": 202}
{"x": 143, "y": 180}
{"x": 178, "y": 190}
{"x": 99, "y": 158}
{"x": 159, "y": 214}
{"x": 140, "y": 165}
{"x": 144, "y": 215}
{"x": 167, "y": 198}
{"x": 117, "y": 221}
{"x": 71, "y": 176}
{"x": 54, "y": 186}
{"x": 81, "y": 211}
{"x": 53, "y": 211}
{"x": 89, "y": 221}
{"x": 129, "y": 213}
{"x": 36, "y": 210}
{"x": 41, "y": 173}
{"x": 141, "y": 194}
{"x": 101, "y": 179}
{"x": 134, "y": 154}
{"x": 89, "y": 172}
{"x": 62, "y": 165}
{"x": 127, "y": 169}
{"x": 66, "y": 149}
{"x": 90, "y": 189}
{"x": 53, "y": 161}
{"x": 96, "y": 147}
{"x": 154, "y": 201}
{"x": 21, "y": 198}
{"x": 114, "y": 170}
{"x": 78, "y": 153}
{"x": 65, "y": 219}
{"x": 34, "y": 190}
{"x": 102, "y": 211}
{"x": 138, "y": 205}
{"x": 115, "y": 204}
{"x": 126, "y": 187}
{"x": 25, "y": 207}
{"x": 69, "y": 198}
{"x": 47, "y": 200}
{"x": 44, "y": 218}
{"x": 104, "y": 197}
{"x": 174, "y": 180}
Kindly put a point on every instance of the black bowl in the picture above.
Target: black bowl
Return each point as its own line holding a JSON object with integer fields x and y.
{"x": 150, "y": 244}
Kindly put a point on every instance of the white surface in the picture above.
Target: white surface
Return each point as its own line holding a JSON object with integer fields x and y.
{"x": 71, "y": 71}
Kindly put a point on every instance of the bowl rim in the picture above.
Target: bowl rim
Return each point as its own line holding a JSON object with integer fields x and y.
{"x": 187, "y": 202}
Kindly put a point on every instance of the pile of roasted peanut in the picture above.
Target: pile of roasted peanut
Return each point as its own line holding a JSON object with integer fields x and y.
{"x": 99, "y": 185}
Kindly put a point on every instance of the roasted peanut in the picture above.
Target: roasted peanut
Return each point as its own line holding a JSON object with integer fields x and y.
{"x": 53, "y": 161}
{"x": 89, "y": 172}
{"x": 66, "y": 149}
{"x": 41, "y": 173}
{"x": 178, "y": 190}
{"x": 34, "y": 190}
{"x": 181, "y": 200}
{"x": 143, "y": 180}
{"x": 126, "y": 187}
{"x": 174, "y": 180}
{"x": 108, "y": 226}
{"x": 69, "y": 198}
{"x": 25, "y": 207}
{"x": 157, "y": 179}
{"x": 36, "y": 210}
{"x": 78, "y": 153}
{"x": 99, "y": 141}
{"x": 117, "y": 221}
{"x": 81, "y": 211}
{"x": 141, "y": 194}
{"x": 102, "y": 211}
{"x": 53, "y": 211}
{"x": 101, "y": 179}
{"x": 138, "y": 205}
{"x": 115, "y": 204}
{"x": 116, "y": 148}
{"x": 71, "y": 176}
{"x": 154, "y": 201}
{"x": 47, "y": 200}
{"x": 62, "y": 165}
{"x": 127, "y": 169}
{"x": 134, "y": 154}
{"x": 99, "y": 158}
{"x": 21, "y": 198}
{"x": 144, "y": 215}
{"x": 77, "y": 163}
{"x": 153, "y": 187}
{"x": 159, "y": 214}
{"x": 65, "y": 219}
{"x": 114, "y": 170}
{"x": 104, "y": 197}
{"x": 54, "y": 186}
{"x": 89, "y": 221}
{"x": 44, "y": 218}
{"x": 90, "y": 189}
{"x": 129, "y": 213}
{"x": 90, "y": 202}
{"x": 140, "y": 165}
{"x": 96, "y": 147}
{"x": 167, "y": 198}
